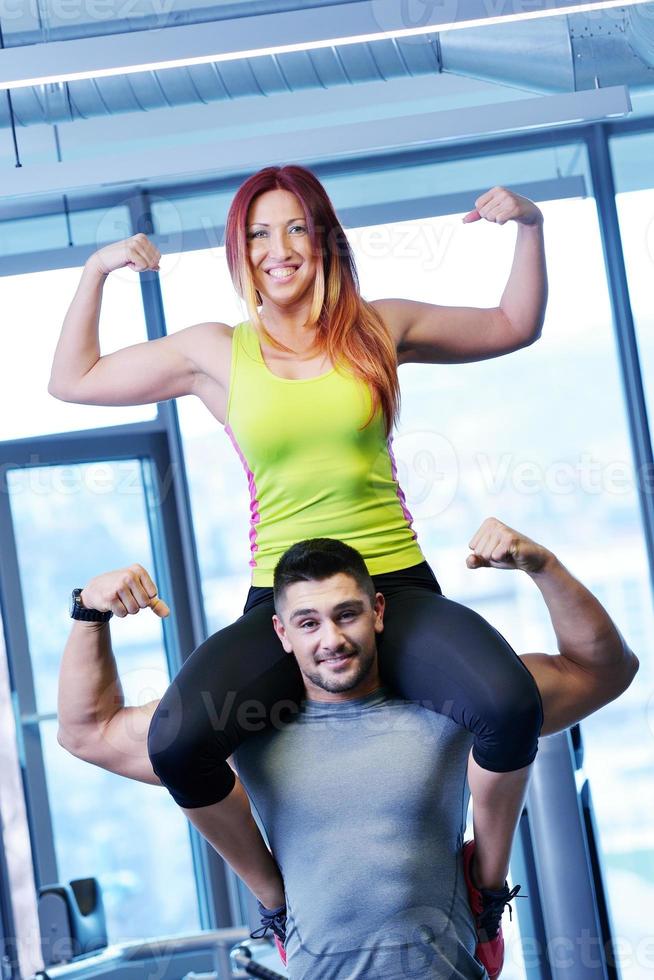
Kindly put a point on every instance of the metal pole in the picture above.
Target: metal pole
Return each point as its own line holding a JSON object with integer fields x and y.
{"x": 575, "y": 948}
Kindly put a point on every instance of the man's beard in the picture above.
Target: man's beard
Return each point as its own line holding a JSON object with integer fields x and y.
{"x": 335, "y": 684}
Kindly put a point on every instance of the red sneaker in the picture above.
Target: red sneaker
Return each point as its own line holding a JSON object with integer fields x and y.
{"x": 487, "y": 907}
{"x": 280, "y": 949}
{"x": 273, "y": 920}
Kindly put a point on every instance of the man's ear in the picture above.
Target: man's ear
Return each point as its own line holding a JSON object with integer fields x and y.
{"x": 280, "y": 630}
{"x": 379, "y": 607}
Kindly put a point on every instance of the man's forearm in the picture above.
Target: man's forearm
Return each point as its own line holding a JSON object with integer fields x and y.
{"x": 584, "y": 630}
{"x": 90, "y": 692}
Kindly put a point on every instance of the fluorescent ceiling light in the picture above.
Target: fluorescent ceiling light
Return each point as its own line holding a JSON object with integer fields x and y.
{"x": 257, "y": 52}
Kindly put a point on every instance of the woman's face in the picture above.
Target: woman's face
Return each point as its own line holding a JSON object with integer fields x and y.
{"x": 283, "y": 265}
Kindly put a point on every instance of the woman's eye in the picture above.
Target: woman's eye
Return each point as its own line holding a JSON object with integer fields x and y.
{"x": 261, "y": 231}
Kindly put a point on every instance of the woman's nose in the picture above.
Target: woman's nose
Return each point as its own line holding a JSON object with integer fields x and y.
{"x": 280, "y": 245}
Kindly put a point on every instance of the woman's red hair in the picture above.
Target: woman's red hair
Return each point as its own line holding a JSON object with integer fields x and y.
{"x": 348, "y": 328}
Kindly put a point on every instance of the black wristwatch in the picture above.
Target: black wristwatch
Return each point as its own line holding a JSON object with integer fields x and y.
{"x": 79, "y": 611}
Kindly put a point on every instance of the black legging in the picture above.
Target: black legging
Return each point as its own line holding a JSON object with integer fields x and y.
{"x": 432, "y": 650}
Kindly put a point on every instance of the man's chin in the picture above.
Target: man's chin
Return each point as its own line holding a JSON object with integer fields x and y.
{"x": 341, "y": 677}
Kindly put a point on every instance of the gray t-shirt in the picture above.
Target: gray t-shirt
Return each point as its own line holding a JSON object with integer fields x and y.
{"x": 364, "y": 804}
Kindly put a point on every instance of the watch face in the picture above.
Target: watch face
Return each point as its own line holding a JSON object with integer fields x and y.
{"x": 75, "y": 601}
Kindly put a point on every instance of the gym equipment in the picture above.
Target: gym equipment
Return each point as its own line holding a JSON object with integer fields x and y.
{"x": 71, "y": 920}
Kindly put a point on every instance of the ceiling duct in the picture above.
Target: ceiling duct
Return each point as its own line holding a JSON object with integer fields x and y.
{"x": 228, "y": 80}
{"x": 551, "y": 55}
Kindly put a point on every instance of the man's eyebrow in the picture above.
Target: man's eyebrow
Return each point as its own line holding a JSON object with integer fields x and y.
{"x": 264, "y": 225}
{"x": 347, "y": 603}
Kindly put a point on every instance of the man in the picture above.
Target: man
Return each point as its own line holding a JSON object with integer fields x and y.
{"x": 363, "y": 798}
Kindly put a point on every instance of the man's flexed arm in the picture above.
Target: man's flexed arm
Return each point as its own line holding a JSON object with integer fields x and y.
{"x": 594, "y": 665}
{"x": 94, "y": 723}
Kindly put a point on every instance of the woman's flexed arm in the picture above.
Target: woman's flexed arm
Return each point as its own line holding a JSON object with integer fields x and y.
{"x": 140, "y": 374}
{"x": 428, "y": 333}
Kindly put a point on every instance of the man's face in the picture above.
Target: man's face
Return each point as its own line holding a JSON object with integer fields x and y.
{"x": 330, "y": 626}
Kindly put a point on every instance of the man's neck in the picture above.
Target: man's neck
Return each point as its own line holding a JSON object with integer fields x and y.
{"x": 340, "y": 697}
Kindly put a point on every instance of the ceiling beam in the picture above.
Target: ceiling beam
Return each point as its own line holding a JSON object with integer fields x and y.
{"x": 220, "y": 157}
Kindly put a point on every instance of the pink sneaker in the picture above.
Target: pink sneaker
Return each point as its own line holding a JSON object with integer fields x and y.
{"x": 487, "y": 907}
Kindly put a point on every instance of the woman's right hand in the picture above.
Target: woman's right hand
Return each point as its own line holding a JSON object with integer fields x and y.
{"x": 137, "y": 253}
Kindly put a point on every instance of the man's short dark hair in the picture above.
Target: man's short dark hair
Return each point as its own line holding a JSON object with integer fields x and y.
{"x": 316, "y": 559}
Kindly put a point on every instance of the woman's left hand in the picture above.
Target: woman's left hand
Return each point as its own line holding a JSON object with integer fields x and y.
{"x": 501, "y": 205}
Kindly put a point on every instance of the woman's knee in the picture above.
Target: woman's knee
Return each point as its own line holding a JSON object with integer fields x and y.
{"x": 512, "y": 719}
{"x": 185, "y": 753}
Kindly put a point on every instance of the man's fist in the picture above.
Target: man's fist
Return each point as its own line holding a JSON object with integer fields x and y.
{"x": 495, "y": 545}
{"x": 124, "y": 592}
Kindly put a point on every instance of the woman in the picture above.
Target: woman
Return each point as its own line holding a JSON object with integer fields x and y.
{"x": 308, "y": 392}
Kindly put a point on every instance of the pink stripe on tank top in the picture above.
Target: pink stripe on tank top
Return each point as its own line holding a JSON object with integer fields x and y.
{"x": 255, "y": 516}
{"x": 400, "y": 492}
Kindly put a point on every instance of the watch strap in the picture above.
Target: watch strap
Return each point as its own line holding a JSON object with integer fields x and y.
{"x": 80, "y": 612}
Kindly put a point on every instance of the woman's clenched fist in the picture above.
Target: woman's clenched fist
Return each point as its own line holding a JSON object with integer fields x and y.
{"x": 137, "y": 253}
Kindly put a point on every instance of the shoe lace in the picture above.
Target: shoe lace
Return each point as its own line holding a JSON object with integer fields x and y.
{"x": 494, "y": 904}
{"x": 271, "y": 919}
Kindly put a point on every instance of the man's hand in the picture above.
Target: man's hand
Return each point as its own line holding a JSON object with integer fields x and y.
{"x": 495, "y": 545}
{"x": 124, "y": 592}
{"x": 594, "y": 664}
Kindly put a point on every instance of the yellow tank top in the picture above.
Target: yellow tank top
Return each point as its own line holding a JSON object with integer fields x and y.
{"x": 311, "y": 470}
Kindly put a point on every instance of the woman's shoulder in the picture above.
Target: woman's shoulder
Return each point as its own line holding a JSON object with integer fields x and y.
{"x": 392, "y": 313}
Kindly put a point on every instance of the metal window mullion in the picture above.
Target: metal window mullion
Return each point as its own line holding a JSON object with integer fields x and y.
{"x": 530, "y": 913}
{"x": 627, "y": 345}
{"x": 93, "y": 446}
{"x": 21, "y": 680}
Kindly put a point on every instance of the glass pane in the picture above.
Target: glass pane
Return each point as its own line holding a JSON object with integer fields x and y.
{"x": 136, "y": 843}
{"x": 21, "y": 235}
{"x": 196, "y": 287}
{"x": 635, "y": 207}
{"x": 71, "y": 524}
{"x": 15, "y": 831}
{"x": 538, "y": 439}
{"x": 38, "y": 302}
{"x": 622, "y": 784}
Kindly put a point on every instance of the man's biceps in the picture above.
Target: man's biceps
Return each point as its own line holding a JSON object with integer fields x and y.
{"x": 127, "y": 729}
